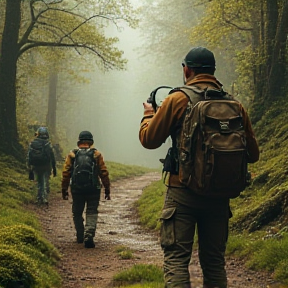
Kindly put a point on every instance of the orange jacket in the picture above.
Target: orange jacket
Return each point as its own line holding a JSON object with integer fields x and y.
{"x": 156, "y": 127}
{"x": 103, "y": 172}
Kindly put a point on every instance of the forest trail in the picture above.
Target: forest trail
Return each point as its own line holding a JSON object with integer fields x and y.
{"x": 118, "y": 225}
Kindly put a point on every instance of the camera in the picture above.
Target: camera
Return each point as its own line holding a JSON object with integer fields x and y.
{"x": 158, "y": 95}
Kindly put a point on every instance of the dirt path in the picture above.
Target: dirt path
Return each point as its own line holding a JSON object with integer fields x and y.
{"x": 118, "y": 225}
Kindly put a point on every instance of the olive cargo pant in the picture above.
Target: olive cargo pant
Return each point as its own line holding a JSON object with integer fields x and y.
{"x": 177, "y": 236}
{"x": 91, "y": 200}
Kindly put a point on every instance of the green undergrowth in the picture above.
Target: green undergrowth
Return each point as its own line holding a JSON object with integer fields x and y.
{"x": 27, "y": 259}
{"x": 140, "y": 275}
{"x": 150, "y": 204}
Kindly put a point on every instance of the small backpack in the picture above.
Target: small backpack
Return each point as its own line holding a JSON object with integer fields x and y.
{"x": 212, "y": 145}
{"x": 39, "y": 153}
{"x": 84, "y": 173}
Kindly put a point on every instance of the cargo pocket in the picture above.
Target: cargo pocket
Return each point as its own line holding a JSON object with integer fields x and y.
{"x": 167, "y": 234}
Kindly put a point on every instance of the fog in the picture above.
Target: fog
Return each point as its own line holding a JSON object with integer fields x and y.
{"x": 110, "y": 106}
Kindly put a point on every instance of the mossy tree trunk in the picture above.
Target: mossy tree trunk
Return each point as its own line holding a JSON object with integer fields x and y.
{"x": 8, "y": 69}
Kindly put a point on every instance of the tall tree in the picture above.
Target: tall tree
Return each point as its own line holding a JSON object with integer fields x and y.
{"x": 78, "y": 25}
{"x": 257, "y": 33}
{"x": 8, "y": 70}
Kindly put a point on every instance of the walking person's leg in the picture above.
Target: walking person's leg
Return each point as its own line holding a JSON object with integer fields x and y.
{"x": 177, "y": 236}
{"x": 91, "y": 218}
{"x": 46, "y": 188}
{"x": 212, "y": 236}
{"x": 39, "y": 175}
{"x": 78, "y": 206}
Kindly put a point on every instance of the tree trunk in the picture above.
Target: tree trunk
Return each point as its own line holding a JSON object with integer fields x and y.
{"x": 278, "y": 67}
{"x": 52, "y": 103}
{"x": 8, "y": 70}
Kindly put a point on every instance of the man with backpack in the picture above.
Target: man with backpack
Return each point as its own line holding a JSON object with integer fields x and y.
{"x": 207, "y": 165}
{"x": 41, "y": 161}
{"x": 83, "y": 169}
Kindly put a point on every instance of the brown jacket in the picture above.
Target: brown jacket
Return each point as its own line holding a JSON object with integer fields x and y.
{"x": 103, "y": 172}
{"x": 157, "y": 127}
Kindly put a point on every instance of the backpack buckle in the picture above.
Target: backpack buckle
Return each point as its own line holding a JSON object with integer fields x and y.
{"x": 224, "y": 126}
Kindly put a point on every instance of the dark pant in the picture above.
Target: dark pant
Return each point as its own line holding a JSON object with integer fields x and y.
{"x": 91, "y": 200}
{"x": 178, "y": 228}
{"x": 42, "y": 176}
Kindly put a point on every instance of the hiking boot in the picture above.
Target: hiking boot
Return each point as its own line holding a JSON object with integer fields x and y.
{"x": 39, "y": 202}
{"x": 80, "y": 237}
{"x": 89, "y": 243}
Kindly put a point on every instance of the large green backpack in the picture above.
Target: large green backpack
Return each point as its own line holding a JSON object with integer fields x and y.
{"x": 212, "y": 144}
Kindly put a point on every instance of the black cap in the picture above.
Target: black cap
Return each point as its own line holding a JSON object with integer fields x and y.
{"x": 85, "y": 135}
{"x": 199, "y": 57}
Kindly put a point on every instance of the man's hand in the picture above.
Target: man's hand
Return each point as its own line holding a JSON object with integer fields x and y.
{"x": 54, "y": 172}
{"x": 64, "y": 194}
{"x": 107, "y": 194}
{"x": 148, "y": 107}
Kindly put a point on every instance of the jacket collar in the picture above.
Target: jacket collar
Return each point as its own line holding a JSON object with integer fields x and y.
{"x": 202, "y": 80}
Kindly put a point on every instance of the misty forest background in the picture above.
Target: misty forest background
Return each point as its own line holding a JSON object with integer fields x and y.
{"x": 74, "y": 65}
{"x": 89, "y": 65}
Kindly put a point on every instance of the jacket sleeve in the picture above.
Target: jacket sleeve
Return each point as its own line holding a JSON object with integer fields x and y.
{"x": 252, "y": 145}
{"x": 103, "y": 172}
{"x": 52, "y": 157}
{"x": 66, "y": 172}
{"x": 155, "y": 129}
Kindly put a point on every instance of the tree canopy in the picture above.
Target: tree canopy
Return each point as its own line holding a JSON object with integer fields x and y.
{"x": 31, "y": 24}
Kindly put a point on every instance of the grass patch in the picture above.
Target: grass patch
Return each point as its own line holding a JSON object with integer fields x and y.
{"x": 150, "y": 204}
{"x": 124, "y": 252}
{"x": 118, "y": 171}
{"x": 262, "y": 254}
{"x": 140, "y": 273}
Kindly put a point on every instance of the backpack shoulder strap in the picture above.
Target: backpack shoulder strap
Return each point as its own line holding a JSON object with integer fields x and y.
{"x": 193, "y": 93}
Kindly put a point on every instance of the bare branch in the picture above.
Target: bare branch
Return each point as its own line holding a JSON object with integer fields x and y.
{"x": 229, "y": 22}
{"x": 34, "y": 44}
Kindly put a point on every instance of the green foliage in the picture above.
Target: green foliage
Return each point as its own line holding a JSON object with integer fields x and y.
{"x": 139, "y": 273}
{"x": 150, "y": 204}
{"x": 16, "y": 266}
{"x": 27, "y": 257}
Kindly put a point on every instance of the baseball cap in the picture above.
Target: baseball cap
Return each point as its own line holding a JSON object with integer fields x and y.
{"x": 199, "y": 57}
